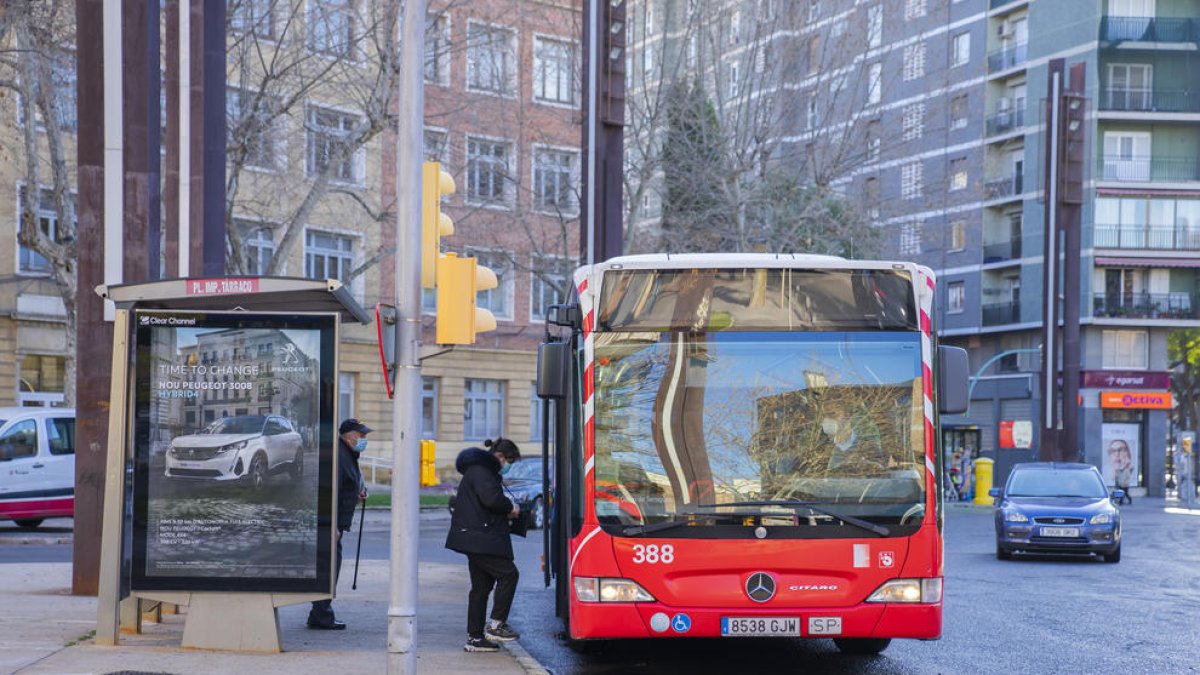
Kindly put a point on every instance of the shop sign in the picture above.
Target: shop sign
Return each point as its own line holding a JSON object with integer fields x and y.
{"x": 1125, "y": 379}
{"x": 1136, "y": 400}
{"x": 1016, "y": 433}
{"x": 222, "y": 286}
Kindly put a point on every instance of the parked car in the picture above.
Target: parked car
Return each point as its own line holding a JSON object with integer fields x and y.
{"x": 523, "y": 485}
{"x": 1055, "y": 507}
{"x": 37, "y": 464}
{"x": 246, "y": 447}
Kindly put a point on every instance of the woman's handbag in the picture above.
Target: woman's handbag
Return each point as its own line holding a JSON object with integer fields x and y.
{"x": 521, "y": 525}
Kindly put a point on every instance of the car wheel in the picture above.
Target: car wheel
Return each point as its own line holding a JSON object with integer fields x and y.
{"x": 1114, "y": 557}
{"x": 539, "y": 514}
{"x": 258, "y": 472}
{"x": 296, "y": 470}
{"x": 865, "y": 646}
{"x": 1003, "y": 553}
{"x": 29, "y": 523}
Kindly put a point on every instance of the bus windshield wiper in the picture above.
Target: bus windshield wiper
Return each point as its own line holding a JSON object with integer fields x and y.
{"x": 812, "y": 506}
{"x": 632, "y": 530}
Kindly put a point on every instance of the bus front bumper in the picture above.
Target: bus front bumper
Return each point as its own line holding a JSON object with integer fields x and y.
{"x": 657, "y": 620}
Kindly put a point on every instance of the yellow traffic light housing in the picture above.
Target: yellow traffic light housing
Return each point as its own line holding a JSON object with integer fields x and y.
{"x": 458, "y": 282}
{"x": 435, "y": 184}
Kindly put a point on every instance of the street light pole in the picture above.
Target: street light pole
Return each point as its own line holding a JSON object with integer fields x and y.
{"x": 406, "y": 405}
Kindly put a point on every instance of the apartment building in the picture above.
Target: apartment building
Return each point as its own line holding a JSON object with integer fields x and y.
{"x": 502, "y": 116}
{"x": 929, "y": 115}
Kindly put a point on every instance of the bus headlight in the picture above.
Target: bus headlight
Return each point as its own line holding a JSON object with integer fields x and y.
{"x": 909, "y": 590}
{"x": 593, "y": 589}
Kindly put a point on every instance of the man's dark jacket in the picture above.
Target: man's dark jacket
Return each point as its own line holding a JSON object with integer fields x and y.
{"x": 480, "y": 521}
{"x": 350, "y": 481}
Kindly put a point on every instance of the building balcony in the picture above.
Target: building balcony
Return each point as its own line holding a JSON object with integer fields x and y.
{"x": 1151, "y": 100}
{"x": 1148, "y": 169}
{"x": 1155, "y": 237}
{"x": 1002, "y": 251}
{"x": 1149, "y": 29}
{"x": 1005, "y": 121}
{"x": 1181, "y": 305}
{"x": 999, "y": 188}
{"x": 1001, "y": 314}
{"x": 995, "y": 4}
{"x": 1009, "y": 57}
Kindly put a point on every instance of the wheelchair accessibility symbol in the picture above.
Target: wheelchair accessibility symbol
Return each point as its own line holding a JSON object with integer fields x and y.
{"x": 681, "y": 623}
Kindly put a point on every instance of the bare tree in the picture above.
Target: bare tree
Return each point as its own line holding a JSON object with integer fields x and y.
{"x": 37, "y": 65}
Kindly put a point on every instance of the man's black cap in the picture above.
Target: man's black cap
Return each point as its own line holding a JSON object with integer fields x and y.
{"x": 354, "y": 425}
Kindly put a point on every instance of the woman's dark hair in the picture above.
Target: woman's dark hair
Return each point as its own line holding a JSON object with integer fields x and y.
{"x": 505, "y": 447}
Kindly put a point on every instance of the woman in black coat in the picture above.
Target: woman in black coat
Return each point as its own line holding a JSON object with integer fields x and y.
{"x": 479, "y": 529}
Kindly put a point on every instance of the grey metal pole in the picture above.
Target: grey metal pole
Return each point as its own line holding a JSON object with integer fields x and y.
{"x": 592, "y": 114}
{"x": 406, "y": 405}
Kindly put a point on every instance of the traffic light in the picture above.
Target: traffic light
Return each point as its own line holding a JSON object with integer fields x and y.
{"x": 435, "y": 184}
{"x": 458, "y": 319}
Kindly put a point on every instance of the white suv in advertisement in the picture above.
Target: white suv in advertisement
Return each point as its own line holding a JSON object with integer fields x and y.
{"x": 247, "y": 447}
{"x": 37, "y": 464}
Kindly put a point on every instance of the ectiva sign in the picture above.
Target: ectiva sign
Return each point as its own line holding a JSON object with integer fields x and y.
{"x": 1136, "y": 400}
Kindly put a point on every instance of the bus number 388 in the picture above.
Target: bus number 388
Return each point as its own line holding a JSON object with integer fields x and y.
{"x": 653, "y": 554}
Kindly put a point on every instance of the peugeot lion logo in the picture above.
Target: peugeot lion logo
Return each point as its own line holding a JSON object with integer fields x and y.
{"x": 760, "y": 587}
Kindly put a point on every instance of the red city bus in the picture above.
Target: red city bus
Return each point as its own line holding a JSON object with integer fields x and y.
{"x": 746, "y": 445}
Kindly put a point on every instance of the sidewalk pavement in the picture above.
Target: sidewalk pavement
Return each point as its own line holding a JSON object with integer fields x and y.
{"x": 48, "y": 631}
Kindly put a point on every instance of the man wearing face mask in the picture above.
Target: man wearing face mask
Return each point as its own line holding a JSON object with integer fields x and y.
{"x": 480, "y": 529}
{"x": 855, "y": 444}
{"x": 352, "y": 440}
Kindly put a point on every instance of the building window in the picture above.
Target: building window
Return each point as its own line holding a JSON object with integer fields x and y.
{"x": 331, "y": 27}
{"x": 874, "y": 26}
{"x": 910, "y": 238}
{"x": 961, "y": 50}
{"x": 252, "y": 17}
{"x": 814, "y": 10}
{"x": 913, "y": 121}
{"x": 429, "y": 407}
{"x": 498, "y": 300}
{"x": 483, "y": 409}
{"x": 535, "y": 415}
{"x": 814, "y": 54}
{"x": 252, "y": 120}
{"x": 871, "y": 197}
{"x": 30, "y": 261}
{"x": 811, "y": 111}
{"x": 491, "y": 59}
{"x": 547, "y": 286}
{"x": 875, "y": 83}
{"x": 958, "y": 112}
{"x": 435, "y": 147}
{"x": 437, "y": 49}
{"x": 329, "y": 151}
{"x": 733, "y": 80}
{"x": 838, "y": 29}
{"x": 914, "y": 61}
{"x": 735, "y": 27}
{"x": 914, "y": 9}
{"x": 487, "y": 171}
{"x": 62, "y": 101}
{"x": 956, "y": 297}
{"x": 258, "y": 247}
{"x": 874, "y": 141}
{"x": 328, "y": 255}
{"x": 1129, "y": 86}
{"x": 958, "y": 235}
{"x": 958, "y": 173}
{"x": 346, "y": 387}
{"x": 911, "y": 180}
{"x": 42, "y": 380}
{"x": 554, "y": 174}
{"x": 553, "y": 71}
{"x": 1126, "y": 349}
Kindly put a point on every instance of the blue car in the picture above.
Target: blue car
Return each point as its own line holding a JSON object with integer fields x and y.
{"x": 1056, "y": 507}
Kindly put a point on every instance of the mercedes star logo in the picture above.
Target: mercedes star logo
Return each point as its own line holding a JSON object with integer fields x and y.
{"x": 760, "y": 587}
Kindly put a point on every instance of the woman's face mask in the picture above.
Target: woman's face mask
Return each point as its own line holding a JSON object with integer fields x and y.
{"x": 504, "y": 467}
{"x": 360, "y": 445}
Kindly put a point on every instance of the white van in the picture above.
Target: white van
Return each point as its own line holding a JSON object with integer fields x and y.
{"x": 37, "y": 464}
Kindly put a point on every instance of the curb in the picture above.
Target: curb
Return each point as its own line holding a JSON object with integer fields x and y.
{"x": 525, "y": 659}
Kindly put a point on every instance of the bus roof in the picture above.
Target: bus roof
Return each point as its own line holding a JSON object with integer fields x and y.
{"x": 735, "y": 260}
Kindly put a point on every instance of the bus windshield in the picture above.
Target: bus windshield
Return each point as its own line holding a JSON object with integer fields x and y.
{"x": 687, "y": 420}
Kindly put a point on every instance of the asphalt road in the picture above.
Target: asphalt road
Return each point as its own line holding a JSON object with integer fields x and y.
{"x": 1030, "y": 615}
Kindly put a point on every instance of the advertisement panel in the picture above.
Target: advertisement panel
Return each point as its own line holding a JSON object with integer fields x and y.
{"x": 233, "y": 436}
{"x": 1136, "y": 400}
{"x": 1122, "y": 452}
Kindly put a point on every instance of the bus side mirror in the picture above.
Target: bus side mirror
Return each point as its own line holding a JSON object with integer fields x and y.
{"x": 553, "y": 358}
{"x": 952, "y": 380}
